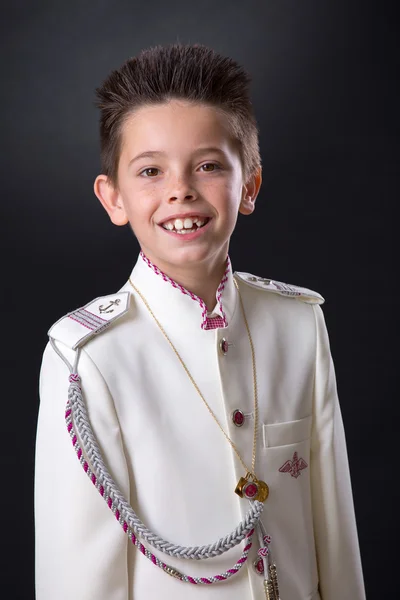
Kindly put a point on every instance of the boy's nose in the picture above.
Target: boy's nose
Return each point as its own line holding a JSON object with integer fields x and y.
{"x": 182, "y": 192}
{"x": 182, "y": 198}
{"x": 181, "y": 189}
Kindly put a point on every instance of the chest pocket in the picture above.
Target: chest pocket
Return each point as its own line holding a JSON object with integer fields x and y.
{"x": 285, "y": 466}
{"x": 284, "y": 434}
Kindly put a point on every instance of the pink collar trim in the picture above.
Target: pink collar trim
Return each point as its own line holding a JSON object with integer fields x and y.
{"x": 215, "y": 322}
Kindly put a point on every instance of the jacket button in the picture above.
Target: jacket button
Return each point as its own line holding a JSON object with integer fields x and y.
{"x": 224, "y": 346}
{"x": 238, "y": 417}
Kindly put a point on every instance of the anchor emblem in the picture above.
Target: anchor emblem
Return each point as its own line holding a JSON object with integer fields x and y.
{"x": 108, "y": 309}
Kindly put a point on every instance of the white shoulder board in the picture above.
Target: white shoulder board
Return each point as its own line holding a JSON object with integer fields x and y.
{"x": 284, "y": 289}
{"x": 77, "y": 327}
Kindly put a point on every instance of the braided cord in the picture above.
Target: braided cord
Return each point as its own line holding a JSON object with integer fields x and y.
{"x": 118, "y": 510}
{"x": 76, "y": 412}
{"x": 188, "y": 578}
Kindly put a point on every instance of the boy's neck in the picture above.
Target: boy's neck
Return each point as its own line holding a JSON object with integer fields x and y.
{"x": 202, "y": 280}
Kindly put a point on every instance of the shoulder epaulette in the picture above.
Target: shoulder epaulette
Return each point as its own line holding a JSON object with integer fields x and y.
{"x": 77, "y": 327}
{"x": 284, "y": 289}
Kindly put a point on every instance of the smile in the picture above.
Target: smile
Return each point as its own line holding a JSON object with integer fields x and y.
{"x": 185, "y": 225}
{"x": 191, "y": 228}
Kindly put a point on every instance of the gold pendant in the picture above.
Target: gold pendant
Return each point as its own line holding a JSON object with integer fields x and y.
{"x": 263, "y": 491}
{"x": 251, "y": 488}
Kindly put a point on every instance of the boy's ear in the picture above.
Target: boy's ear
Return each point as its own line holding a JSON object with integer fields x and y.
{"x": 110, "y": 199}
{"x": 250, "y": 193}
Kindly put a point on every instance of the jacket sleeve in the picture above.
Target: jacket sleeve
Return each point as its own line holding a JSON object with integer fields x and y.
{"x": 338, "y": 554}
{"x": 80, "y": 548}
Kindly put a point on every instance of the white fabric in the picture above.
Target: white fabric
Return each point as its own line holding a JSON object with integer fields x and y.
{"x": 177, "y": 469}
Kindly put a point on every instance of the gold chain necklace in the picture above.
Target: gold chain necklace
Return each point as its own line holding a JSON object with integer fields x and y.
{"x": 249, "y": 486}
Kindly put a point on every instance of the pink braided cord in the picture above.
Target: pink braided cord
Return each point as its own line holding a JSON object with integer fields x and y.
{"x": 267, "y": 539}
{"x": 208, "y": 322}
{"x": 235, "y": 569}
{"x": 75, "y": 379}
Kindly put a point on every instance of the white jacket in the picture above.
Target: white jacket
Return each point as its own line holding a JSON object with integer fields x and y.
{"x": 171, "y": 460}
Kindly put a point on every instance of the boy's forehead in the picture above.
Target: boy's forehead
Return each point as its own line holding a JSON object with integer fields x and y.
{"x": 176, "y": 124}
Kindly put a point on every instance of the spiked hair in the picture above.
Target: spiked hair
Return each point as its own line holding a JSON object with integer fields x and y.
{"x": 190, "y": 72}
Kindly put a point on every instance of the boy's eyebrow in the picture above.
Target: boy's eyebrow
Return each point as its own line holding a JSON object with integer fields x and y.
{"x": 152, "y": 153}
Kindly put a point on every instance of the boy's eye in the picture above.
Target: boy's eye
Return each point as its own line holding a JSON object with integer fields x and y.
{"x": 149, "y": 169}
{"x": 211, "y": 165}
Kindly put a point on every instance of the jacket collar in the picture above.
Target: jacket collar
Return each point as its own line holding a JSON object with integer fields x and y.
{"x": 171, "y": 301}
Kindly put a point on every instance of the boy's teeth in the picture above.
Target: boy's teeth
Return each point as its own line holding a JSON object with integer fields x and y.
{"x": 185, "y": 231}
{"x": 187, "y": 223}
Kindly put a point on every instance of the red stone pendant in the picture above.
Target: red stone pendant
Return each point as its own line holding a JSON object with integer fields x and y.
{"x": 250, "y": 490}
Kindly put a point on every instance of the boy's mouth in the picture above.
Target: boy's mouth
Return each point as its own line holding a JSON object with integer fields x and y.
{"x": 185, "y": 225}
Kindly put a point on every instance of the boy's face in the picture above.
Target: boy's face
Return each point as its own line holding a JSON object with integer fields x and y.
{"x": 195, "y": 172}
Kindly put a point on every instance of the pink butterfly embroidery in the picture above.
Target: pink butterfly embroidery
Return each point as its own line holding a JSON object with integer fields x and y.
{"x": 294, "y": 466}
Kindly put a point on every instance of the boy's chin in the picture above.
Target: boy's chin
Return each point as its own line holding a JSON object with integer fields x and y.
{"x": 188, "y": 258}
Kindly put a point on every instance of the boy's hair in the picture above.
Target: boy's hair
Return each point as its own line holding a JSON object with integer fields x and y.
{"x": 190, "y": 72}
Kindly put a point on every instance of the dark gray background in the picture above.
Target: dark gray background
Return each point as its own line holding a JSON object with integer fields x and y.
{"x": 324, "y": 92}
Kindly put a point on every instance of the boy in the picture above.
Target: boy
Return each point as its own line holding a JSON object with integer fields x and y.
{"x": 207, "y": 443}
